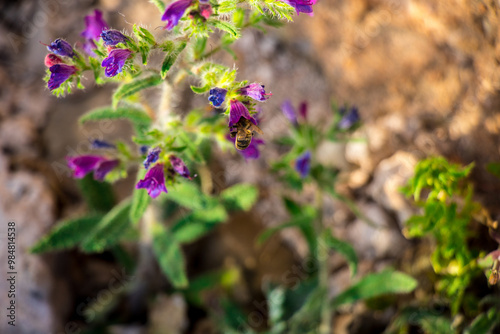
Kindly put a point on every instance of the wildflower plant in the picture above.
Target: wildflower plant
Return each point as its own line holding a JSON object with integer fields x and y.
{"x": 171, "y": 153}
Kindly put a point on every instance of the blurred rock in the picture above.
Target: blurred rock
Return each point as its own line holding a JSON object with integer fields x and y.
{"x": 168, "y": 315}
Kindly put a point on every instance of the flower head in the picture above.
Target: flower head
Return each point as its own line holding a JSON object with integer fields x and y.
{"x": 205, "y": 9}
{"x": 94, "y": 25}
{"x": 255, "y": 91}
{"x": 238, "y": 110}
{"x": 252, "y": 151}
{"x": 349, "y": 118}
{"x": 217, "y": 96}
{"x": 104, "y": 167}
{"x": 289, "y": 111}
{"x": 144, "y": 149}
{"x": 115, "y": 61}
{"x": 112, "y": 37}
{"x": 51, "y": 60}
{"x": 303, "y": 110}
{"x": 100, "y": 144}
{"x": 84, "y": 164}
{"x": 303, "y": 164}
{"x": 58, "y": 74}
{"x": 152, "y": 157}
{"x": 301, "y": 6}
{"x": 179, "y": 166}
{"x": 174, "y": 12}
{"x": 154, "y": 181}
{"x": 61, "y": 48}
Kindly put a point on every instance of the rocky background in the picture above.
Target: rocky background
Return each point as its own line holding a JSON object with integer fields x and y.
{"x": 426, "y": 78}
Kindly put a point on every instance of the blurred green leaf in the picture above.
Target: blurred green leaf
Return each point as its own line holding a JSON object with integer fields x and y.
{"x": 494, "y": 168}
{"x": 136, "y": 116}
{"x": 374, "y": 285}
{"x": 169, "y": 255}
{"x": 484, "y": 323}
{"x": 109, "y": 230}
{"x": 140, "y": 200}
{"x": 240, "y": 197}
{"x": 67, "y": 234}
{"x": 171, "y": 57}
{"x": 98, "y": 195}
{"x": 343, "y": 248}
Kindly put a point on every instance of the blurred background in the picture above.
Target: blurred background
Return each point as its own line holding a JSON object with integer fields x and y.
{"x": 425, "y": 76}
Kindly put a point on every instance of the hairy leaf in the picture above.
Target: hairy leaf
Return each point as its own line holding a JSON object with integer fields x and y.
{"x": 136, "y": 116}
{"x": 171, "y": 57}
{"x": 135, "y": 86}
{"x": 98, "y": 195}
{"x": 67, "y": 234}
{"x": 228, "y": 27}
{"x": 240, "y": 197}
{"x": 343, "y": 248}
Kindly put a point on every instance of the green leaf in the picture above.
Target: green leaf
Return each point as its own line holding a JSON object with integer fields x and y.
{"x": 140, "y": 200}
{"x": 109, "y": 230}
{"x": 144, "y": 50}
{"x": 144, "y": 35}
{"x": 98, "y": 195}
{"x": 200, "y": 90}
{"x": 187, "y": 194}
{"x": 494, "y": 168}
{"x": 159, "y": 4}
{"x": 171, "y": 57}
{"x": 484, "y": 323}
{"x": 240, "y": 197}
{"x": 188, "y": 229}
{"x": 374, "y": 285}
{"x": 343, "y": 248}
{"x": 67, "y": 234}
{"x": 135, "y": 86}
{"x": 136, "y": 116}
{"x": 228, "y": 27}
{"x": 292, "y": 207}
{"x": 170, "y": 257}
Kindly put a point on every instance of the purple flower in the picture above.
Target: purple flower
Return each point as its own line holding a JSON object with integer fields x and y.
{"x": 301, "y": 6}
{"x": 115, "y": 61}
{"x": 289, "y": 111}
{"x": 94, "y": 25}
{"x": 252, "y": 151}
{"x": 100, "y": 144}
{"x": 113, "y": 37}
{"x": 104, "y": 168}
{"x": 348, "y": 119}
{"x": 89, "y": 46}
{"x": 144, "y": 149}
{"x": 303, "y": 110}
{"x": 58, "y": 74}
{"x": 84, "y": 164}
{"x": 152, "y": 157}
{"x": 303, "y": 164}
{"x": 255, "y": 91}
{"x": 61, "y": 48}
{"x": 217, "y": 96}
{"x": 154, "y": 181}
{"x": 238, "y": 110}
{"x": 174, "y": 12}
{"x": 51, "y": 60}
{"x": 205, "y": 9}
{"x": 179, "y": 166}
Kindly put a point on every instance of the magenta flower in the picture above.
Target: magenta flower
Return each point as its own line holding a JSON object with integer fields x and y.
{"x": 154, "y": 181}
{"x": 217, "y": 96}
{"x": 303, "y": 110}
{"x": 58, "y": 74}
{"x": 252, "y": 151}
{"x": 51, "y": 60}
{"x": 303, "y": 164}
{"x": 113, "y": 37}
{"x": 174, "y": 12}
{"x": 301, "y": 6}
{"x": 84, "y": 164}
{"x": 205, "y": 9}
{"x": 94, "y": 25}
{"x": 61, "y": 48}
{"x": 104, "y": 167}
{"x": 255, "y": 91}
{"x": 115, "y": 61}
{"x": 238, "y": 110}
{"x": 152, "y": 157}
{"x": 179, "y": 166}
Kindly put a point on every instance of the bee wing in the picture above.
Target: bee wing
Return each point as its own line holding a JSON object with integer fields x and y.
{"x": 255, "y": 128}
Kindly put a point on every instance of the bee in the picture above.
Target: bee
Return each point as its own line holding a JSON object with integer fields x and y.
{"x": 244, "y": 131}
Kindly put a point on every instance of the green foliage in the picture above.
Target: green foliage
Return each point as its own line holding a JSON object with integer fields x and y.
{"x": 240, "y": 197}
{"x": 98, "y": 195}
{"x": 140, "y": 200}
{"x": 170, "y": 257}
{"x": 228, "y": 27}
{"x": 174, "y": 50}
{"x": 67, "y": 234}
{"x": 109, "y": 230}
{"x": 375, "y": 285}
{"x": 448, "y": 209}
{"x": 430, "y": 321}
{"x": 484, "y": 323}
{"x": 136, "y": 85}
{"x": 343, "y": 248}
{"x": 136, "y": 116}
